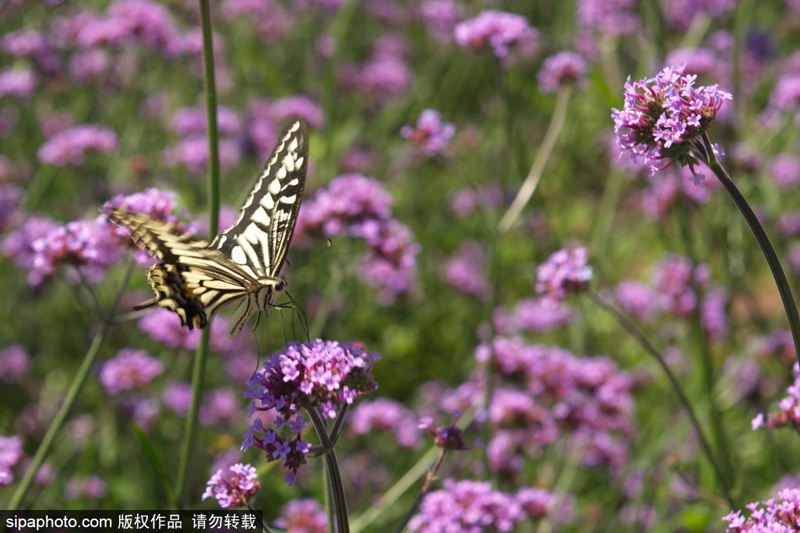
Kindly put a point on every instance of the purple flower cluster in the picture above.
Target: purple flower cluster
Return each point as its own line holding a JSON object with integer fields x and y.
{"x": 781, "y": 515}
{"x": 303, "y": 515}
{"x": 466, "y": 200}
{"x": 550, "y": 392}
{"x": 611, "y": 17}
{"x": 125, "y": 23}
{"x": 129, "y": 370}
{"x": 789, "y": 414}
{"x": 85, "y": 487}
{"x": 465, "y": 271}
{"x": 69, "y": 147}
{"x": 358, "y": 206}
{"x": 674, "y": 291}
{"x": 681, "y": 13}
{"x": 386, "y": 74}
{"x": 663, "y": 117}
{"x": 89, "y": 246}
{"x": 565, "y": 272}
{"x": 384, "y": 415}
{"x": 10, "y": 455}
{"x": 33, "y": 45}
{"x": 664, "y": 193}
{"x": 475, "y": 506}
{"x": 18, "y": 244}
{"x": 261, "y": 130}
{"x": 192, "y": 150}
{"x": 563, "y": 68}
{"x": 441, "y": 17}
{"x": 431, "y": 134}
{"x": 17, "y": 83}
{"x": 234, "y": 487}
{"x": 784, "y": 169}
{"x": 501, "y": 31}
{"x": 14, "y": 363}
{"x": 320, "y": 375}
{"x": 529, "y": 314}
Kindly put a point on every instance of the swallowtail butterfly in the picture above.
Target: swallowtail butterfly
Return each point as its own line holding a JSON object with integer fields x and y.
{"x": 243, "y": 263}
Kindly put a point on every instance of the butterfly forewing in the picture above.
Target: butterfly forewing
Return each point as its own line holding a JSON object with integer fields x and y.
{"x": 259, "y": 238}
{"x": 194, "y": 279}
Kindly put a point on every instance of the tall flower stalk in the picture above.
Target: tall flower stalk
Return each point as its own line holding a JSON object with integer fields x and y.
{"x": 665, "y": 120}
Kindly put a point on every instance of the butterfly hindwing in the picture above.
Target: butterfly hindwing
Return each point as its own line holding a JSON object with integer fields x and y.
{"x": 194, "y": 279}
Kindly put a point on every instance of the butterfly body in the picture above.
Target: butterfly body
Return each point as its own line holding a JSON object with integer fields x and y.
{"x": 243, "y": 263}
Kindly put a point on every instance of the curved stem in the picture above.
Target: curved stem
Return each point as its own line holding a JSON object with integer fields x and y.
{"x": 535, "y": 174}
{"x": 634, "y": 330}
{"x": 785, "y": 290}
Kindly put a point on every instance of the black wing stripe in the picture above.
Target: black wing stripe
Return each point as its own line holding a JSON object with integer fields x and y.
{"x": 260, "y": 237}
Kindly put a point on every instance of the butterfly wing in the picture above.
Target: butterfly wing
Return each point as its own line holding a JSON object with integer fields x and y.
{"x": 259, "y": 238}
{"x": 193, "y": 280}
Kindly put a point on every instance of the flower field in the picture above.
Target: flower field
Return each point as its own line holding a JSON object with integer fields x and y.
{"x": 421, "y": 266}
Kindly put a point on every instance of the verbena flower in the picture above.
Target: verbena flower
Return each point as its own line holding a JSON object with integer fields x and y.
{"x": 431, "y": 134}
{"x": 466, "y": 506}
{"x": 301, "y": 106}
{"x": 192, "y": 153}
{"x": 131, "y": 22}
{"x": 303, "y": 514}
{"x": 320, "y": 375}
{"x": 10, "y": 198}
{"x": 636, "y": 298}
{"x": 664, "y": 117}
{"x": 33, "y": 45}
{"x": 565, "y": 272}
{"x": 384, "y": 415}
{"x": 178, "y": 398}
{"x": 561, "y": 69}
{"x": 465, "y": 201}
{"x": 789, "y": 414}
{"x": 440, "y": 17}
{"x": 548, "y": 392}
{"x": 87, "y": 66}
{"x": 130, "y": 370}
{"x": 18, "y": 244}
{"x": 234, "y": 487}
{"x": 14, "y": 363}
{"x": 611, "y": 17}
{"x": 775, "y": 515}
{"x": 681, "y": 13}
{"x": 70, "y": 146}
{"x": 532, "y": 314}
{"x": 10, "y": 455}
{"x": 17, "y": 83}
{"x": 221, "y": 407}
{"x": 784, "y": 169}
{"x": 713, "y": 315}
{"x": 474, "y": 506}
{"x": 89, "y": 246}
{"x": 499, "y": 30}
{"x": 190, "y": 121}
{"x": 358, "y": 206}
{"x": 465, "y": 271}
{"x": 675, "y": 279}
{"x": 89, "y": 487}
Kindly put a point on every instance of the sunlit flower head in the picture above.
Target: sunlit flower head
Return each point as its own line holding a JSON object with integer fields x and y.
{"x": 565, "y": 272}
{"x": 664, "y": 118}
{"x": 324, "y": 376}
{"x": 233, "y": 487}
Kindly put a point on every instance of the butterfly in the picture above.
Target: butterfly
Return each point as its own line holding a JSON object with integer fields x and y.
{"x": 243, "y": 263}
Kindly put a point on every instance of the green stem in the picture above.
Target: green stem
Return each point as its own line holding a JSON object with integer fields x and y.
{"x": 785, "y": 290}
{"x": 334, "y": 476}
{"x": 631, "y": 327}
{"x": 76, "y": 388}
{"x": 201, "y": 357}
{"x": 535, "y": 174}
